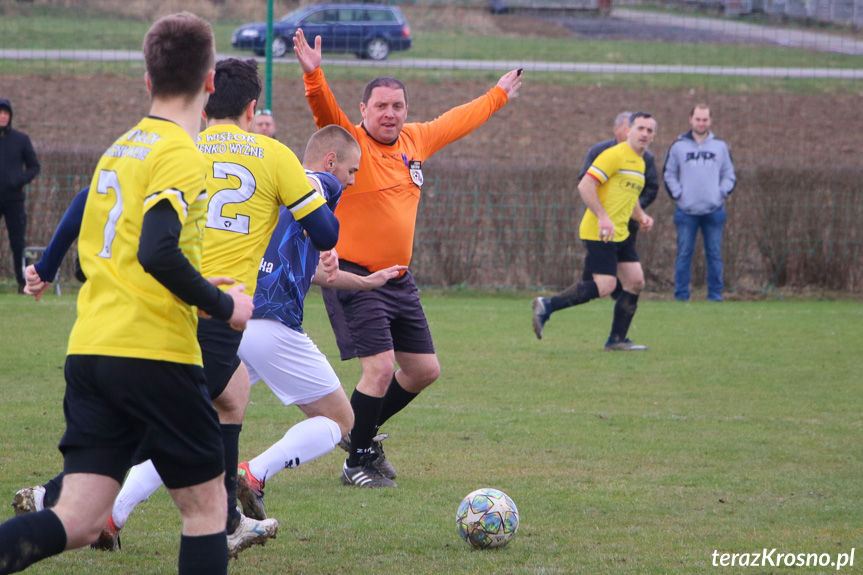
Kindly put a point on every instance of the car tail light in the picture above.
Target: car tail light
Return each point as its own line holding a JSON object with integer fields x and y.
{"x": 406, "y": 31}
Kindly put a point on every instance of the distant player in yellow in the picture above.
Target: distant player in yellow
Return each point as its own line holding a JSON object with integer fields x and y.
{"x": 134, "y": 376}
{"x": 610, "y": 189}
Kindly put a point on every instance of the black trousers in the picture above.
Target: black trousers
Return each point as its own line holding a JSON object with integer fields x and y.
{"x": 16, "y": 224}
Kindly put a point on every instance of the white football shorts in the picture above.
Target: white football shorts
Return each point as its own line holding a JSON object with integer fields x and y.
{"x": 288, "y": 361}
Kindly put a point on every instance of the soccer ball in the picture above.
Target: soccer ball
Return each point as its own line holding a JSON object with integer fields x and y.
{"x": 487, "y": 518}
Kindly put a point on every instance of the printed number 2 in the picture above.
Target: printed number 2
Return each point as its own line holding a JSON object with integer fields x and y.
{"x": 108, "y": 180}
{"x": 215, "y": 219}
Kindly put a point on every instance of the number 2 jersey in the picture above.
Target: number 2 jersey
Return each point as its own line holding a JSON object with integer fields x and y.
{"x": 122, "y": 310}
{"x": 249, "y": 177}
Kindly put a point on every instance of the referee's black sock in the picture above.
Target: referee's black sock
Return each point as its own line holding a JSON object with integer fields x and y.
{"x": 576, "y": 294}
{"x": 203, "y": 554}
{"x": 624, "y": 310}
{"x": 231, "y": 440}
{"x": 367, "y": 411}
{"x": 395, "y": 400}
{"x": 27, "y": 539}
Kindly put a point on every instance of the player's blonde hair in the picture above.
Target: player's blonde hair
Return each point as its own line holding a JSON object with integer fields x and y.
{"x": 331, "y": 138}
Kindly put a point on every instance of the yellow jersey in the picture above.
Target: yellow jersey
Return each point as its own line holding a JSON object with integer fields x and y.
{"x": 620, "y": 173}
{"x": 122, "y": 310}
{"x": 249, "y": 177}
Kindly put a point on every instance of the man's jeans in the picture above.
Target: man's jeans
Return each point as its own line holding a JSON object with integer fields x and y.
{"x": 711, "y": 231}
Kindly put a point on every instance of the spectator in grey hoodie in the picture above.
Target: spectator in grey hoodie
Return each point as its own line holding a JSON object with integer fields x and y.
{"x": 699, "y": 176}
{"x": 18, "y": 166}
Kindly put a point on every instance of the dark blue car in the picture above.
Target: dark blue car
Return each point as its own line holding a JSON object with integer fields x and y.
{"x": 369, "y": 31}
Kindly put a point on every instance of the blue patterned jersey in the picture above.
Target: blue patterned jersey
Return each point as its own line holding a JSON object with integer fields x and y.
{"x": 289, "y": 263}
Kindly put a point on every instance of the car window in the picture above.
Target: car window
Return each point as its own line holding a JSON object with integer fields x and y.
{"x": 346, "y": 15}
{"x": 380, "y": 16}
{"x": 295, "y": 16}
{"x": 322, "y": 16}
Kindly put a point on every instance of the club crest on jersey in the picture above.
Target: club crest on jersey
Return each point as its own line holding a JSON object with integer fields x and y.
{"x": 416, "y": 168}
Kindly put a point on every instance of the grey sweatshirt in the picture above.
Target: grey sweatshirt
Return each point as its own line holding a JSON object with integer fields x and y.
{"x": 699, "y": 176}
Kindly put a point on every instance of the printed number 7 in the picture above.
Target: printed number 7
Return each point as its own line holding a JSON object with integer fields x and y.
{"x": 108, "y": 180}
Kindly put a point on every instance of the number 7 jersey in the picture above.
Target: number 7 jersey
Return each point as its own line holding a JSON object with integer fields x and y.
{"x": 122, "y": 310}
{"x": 248, "y": 179}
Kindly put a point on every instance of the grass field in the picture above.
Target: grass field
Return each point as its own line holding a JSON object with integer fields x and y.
{"x": 739, "y": 430}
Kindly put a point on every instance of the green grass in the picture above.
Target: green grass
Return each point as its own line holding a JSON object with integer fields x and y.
{"x": 739, "y": 430}
{"x": 461, "y": 46}
{"x": 86, "y": 32}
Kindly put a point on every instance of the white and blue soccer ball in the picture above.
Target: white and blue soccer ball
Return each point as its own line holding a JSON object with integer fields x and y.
{"x": 487, "y": 518}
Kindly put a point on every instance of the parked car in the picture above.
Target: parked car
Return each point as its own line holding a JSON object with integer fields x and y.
{"x": 369, "y": 31}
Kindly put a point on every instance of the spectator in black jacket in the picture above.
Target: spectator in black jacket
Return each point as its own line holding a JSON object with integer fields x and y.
{"x": 18, "y": 167}
{"x": 651, "y": 181}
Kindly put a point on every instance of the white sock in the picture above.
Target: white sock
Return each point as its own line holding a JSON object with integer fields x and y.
{"x": 304, "y": 442}
{"x": 143, "y": 480}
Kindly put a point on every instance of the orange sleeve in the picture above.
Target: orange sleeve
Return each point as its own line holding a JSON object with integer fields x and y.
{"x": 323, "y": 103}
{"x": 460, "y": 121}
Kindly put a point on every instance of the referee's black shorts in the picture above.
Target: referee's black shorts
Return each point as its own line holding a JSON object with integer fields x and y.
{"x": 369, "y": 322}
{"x": 121, "y": 411}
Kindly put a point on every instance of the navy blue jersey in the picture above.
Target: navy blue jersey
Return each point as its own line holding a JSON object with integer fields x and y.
{"x": 65, "y": 234}
{"x": 289, "y": 264}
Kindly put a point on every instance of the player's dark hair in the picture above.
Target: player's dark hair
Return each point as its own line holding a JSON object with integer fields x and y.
{"x": 385, "y": 82}
{"x": 328, "y": 139}
{"x": 237, "y": 84}
{"x": 179, "y": 51}
{"x": 637, "y": 115}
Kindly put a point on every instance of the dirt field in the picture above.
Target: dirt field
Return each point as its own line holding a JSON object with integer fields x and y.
{"x": 546, "y": 124}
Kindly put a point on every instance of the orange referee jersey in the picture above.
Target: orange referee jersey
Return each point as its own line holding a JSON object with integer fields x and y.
{"x": 377, "y": 215}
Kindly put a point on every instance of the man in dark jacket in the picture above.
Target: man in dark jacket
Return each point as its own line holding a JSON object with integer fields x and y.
{"x": 18, "y": 167}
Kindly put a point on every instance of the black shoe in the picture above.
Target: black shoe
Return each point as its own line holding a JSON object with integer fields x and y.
{"x": 381, "y": 463}
{"x": 365, "y": 475}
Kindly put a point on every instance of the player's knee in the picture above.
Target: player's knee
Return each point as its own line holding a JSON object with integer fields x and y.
{"x": 82, "y": 529}
{"x": 634, "y": 286}
{"x": 605, "y": 285}
{"x": 378, "y": 370}
{"x": 433, "y": 373}
{"x": 423, "y": 375}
